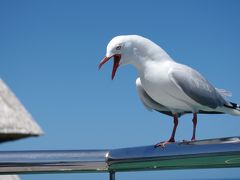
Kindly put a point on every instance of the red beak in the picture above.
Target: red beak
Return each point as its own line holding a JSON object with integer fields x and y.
{"x": 117, "y": 58}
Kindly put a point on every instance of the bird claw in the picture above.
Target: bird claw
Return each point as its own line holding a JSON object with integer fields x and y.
{"x": 164, "y": 143}
{"x": 188, "y": 142}
{"x": 161, "y": 144}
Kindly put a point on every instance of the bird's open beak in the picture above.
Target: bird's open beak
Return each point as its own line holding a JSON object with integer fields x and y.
{"x": 117, "y": 58}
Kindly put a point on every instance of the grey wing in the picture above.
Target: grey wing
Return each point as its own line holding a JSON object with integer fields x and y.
{"x": 194, "y": 85}
{"x": 149, "y": 103}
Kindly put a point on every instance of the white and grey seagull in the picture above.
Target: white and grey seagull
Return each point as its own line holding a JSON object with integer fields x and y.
{"x": 166, "y": 86}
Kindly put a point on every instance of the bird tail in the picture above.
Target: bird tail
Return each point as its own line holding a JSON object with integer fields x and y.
{"x": 232, "y": 108}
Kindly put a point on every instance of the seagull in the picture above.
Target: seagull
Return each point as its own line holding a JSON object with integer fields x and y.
{"x": 166, "y": 86}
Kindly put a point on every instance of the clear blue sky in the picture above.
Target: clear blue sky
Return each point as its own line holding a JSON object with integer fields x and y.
{"x": 50, "y": 50}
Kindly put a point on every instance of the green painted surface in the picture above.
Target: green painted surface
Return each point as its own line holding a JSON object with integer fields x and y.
{"x": 179, "y": 163}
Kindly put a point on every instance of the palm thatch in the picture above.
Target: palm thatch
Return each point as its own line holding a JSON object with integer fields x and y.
{"x": 15, "y": 121}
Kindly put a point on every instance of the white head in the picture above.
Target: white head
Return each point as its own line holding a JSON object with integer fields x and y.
{"x": 132, "y": 49}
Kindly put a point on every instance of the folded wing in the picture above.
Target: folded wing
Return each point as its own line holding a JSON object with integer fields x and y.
{"x": 194, "y": 85}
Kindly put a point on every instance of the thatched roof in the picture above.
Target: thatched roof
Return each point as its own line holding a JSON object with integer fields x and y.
{"x": 15, "y": 121}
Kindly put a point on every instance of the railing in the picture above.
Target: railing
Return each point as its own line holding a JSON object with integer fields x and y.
{"x": 211, "y": 153}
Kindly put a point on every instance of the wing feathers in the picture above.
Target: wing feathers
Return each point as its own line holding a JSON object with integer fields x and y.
{"x": 194, "y": 85}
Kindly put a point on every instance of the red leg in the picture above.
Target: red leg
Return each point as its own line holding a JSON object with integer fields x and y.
{"x": 194, "y": 120}
{"x": 172, "y": 138}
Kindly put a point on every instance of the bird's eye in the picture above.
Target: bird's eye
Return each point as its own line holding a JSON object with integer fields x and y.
{"x": 118, "y": 47}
